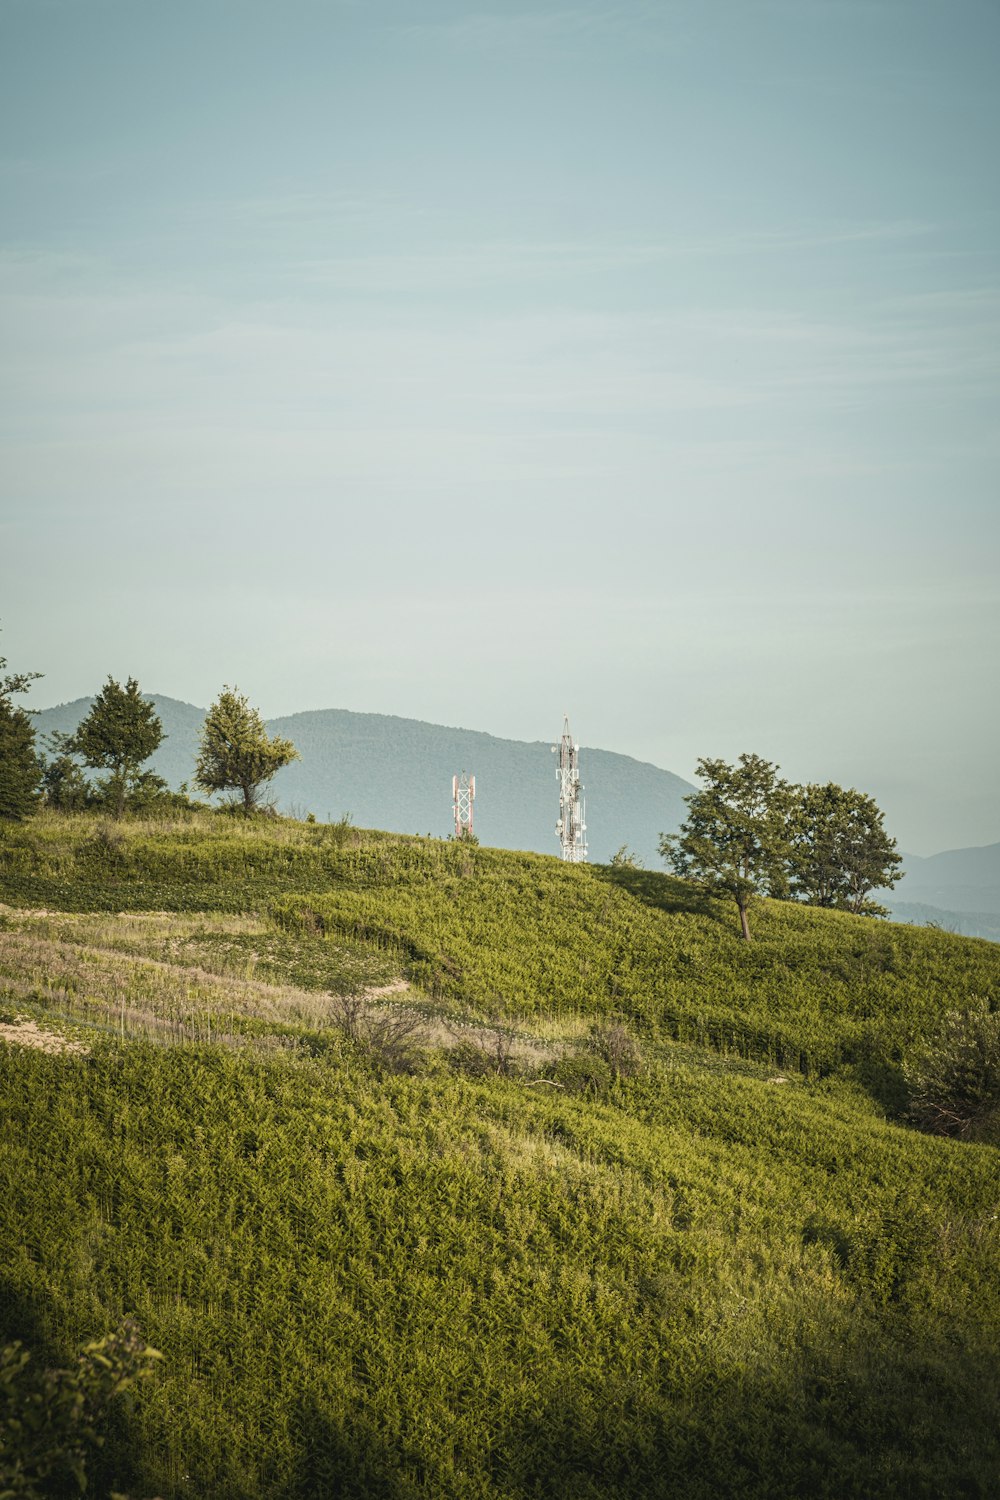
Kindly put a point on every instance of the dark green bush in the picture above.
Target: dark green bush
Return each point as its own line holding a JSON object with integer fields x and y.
{"x": 955, "y": 1078}
{"x": 52, "y": 1421}
{"x": 583, "y": 1073}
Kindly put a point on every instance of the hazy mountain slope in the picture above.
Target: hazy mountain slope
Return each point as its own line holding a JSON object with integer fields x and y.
{"x": 396, "y": 773}
{"x": 982, "y": 924}
{"x": 961, "y": 880}
{"x": 958, "y": 890}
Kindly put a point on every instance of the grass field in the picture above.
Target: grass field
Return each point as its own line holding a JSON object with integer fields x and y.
{"x": 632, "y": 1209}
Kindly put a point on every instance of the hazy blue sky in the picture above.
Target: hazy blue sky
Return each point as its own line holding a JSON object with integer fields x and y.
{"x": 475, "y": 363}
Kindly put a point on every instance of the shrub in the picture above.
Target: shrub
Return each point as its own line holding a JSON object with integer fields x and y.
{"x": 583, "y": 1073}
{"x": 51, "y": 1421}
{"x": 388, "y": 1038}
{"x": 64, "y": 785}
{"x": 490, "y": 1050}
{"x": 618, "y": 1048}
{"x": 955, "y": 1080}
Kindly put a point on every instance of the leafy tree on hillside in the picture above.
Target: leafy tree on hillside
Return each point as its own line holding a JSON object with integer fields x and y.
{"x": 20, "y": 771}
{"x": 735, "y": 839}
{"x": 121, "y": 731}
{"x": 839, "y": 849}
{"x": 236, "y": 753}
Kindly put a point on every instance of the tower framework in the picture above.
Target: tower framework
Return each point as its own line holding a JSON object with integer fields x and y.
{"x": 571, "y": 827}
{"x": 463, "y": 793}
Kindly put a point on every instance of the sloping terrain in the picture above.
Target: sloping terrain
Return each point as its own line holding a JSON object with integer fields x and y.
{"x": 632, "y": 1211}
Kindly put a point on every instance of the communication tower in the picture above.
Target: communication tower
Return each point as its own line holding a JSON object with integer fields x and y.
{"x": 571, "y": 828}
{"x": 463, "y": 793}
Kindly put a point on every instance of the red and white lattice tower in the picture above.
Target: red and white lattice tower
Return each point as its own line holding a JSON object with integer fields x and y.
{"x": 463, "y": 792}
{"x": 571, "y": 828}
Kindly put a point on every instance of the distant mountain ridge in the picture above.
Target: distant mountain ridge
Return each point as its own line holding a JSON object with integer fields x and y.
{"x": 395, "y": 774}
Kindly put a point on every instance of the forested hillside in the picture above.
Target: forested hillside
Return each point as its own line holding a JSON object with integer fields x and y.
{"x": 435, "y": 1170}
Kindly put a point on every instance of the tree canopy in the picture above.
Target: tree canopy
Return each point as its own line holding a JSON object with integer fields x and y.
{"x": 749, "y": 833}
{"x": 839, "y": 850}
{"x": 20, "y": 771}
{"x": 121, "y": 731}
{"x": 236, "y": 753}
{"x": 734, "y": 839}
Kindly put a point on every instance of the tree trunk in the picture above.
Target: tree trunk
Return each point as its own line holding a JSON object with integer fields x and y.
{"x": 744, "y": 924}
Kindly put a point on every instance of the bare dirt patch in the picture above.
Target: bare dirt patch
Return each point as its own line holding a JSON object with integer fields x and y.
{"x": 27, "y": 1034}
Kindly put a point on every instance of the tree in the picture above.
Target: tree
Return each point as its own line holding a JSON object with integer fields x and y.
{"x": 121, "y": 731}
{"x": 839, "y": 849}
{"x": 20, "y": 771}
{"x": 236, "y": 753}
{"x": 734, "y": 839}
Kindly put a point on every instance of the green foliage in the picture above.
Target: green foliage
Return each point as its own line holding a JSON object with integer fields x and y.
{"x": 734, "y": 839}
{"x": 13, "y": 684}
{"x": 52, "y": 1420}
{"x": 524, "y": 936}
{"x": 512, "y": 936}
{"x": 120, "y": 732}
{"x": 955, "y": 1077}
{"x": 20, "y": 771}
{"x": 436, "y": 1286}
{"x": 583, "y": 1072}
{"x": 236, "y": 753}
{"x": 64, "y": 785}
{"x": 839, "y": 849}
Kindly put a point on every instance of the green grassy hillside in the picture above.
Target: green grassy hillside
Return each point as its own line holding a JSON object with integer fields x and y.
{"x": 634, "y": 1212}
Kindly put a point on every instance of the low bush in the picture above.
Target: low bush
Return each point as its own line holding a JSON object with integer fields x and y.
{"x": 53, "y": 1421}
{"x": 955, "y": 1078}
{"x": 583, "y": 1072}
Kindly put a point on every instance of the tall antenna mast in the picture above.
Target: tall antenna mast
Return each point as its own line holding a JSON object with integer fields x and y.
{"x": 571, "y": 828}
{"x": 463, "y": 794}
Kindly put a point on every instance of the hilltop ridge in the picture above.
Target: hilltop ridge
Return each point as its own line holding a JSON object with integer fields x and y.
{"x": 395, "y": 773}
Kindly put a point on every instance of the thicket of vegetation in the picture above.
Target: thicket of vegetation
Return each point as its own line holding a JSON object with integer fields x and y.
{"x": 635, "y": 1212}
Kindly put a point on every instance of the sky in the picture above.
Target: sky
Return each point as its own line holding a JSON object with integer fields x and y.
{"x": 481, "y": 363}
